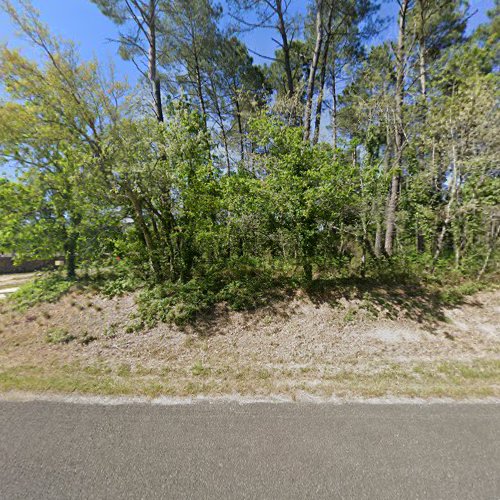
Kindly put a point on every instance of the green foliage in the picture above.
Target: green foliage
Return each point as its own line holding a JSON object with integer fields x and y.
{"x": 119, "y": 281}
{"x": 48, "y": 288}
{"x": 453, "y": 295}
{"x": 220, "y": 197}
{"x": 239, "y": 285}
{"x": 177, "y": 303}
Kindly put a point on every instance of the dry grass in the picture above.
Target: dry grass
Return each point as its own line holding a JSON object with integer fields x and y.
{"x": 89, "y": 344}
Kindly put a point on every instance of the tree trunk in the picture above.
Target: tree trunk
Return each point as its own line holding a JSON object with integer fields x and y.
{"x": 334, "y": 107}
{"x": 449, "y": 205}
{"x": 312, "y": 71}
{"x": 399, "y": 131}
{"x": 70, "y": 249}
{"x": 422, "y": 52}
{"x": 285, "y": 46}
{"x": 322, "y": 79}
{"x": 319, "y": 102}
{"x": 152, "y": 70}
{"x": 240, "y": 128}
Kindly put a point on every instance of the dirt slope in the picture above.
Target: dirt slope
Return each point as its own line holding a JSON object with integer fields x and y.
{"x": 299, "y": 344}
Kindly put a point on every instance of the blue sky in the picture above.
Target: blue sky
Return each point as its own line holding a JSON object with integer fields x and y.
{"x": 81, "y": 21}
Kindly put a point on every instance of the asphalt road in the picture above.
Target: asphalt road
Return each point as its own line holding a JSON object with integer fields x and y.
{"x": 226, "y": 450}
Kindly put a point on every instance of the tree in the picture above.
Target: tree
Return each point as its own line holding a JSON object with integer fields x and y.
{"x": 319, "y": 29}
{"x": 273, "y": 14}
{"x": 51, "y": 128}
{"x": 141, "y": 41}
{"x": 399, "y": 135}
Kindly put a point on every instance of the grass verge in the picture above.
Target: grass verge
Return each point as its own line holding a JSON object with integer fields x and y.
{"x": 458, "y": 380}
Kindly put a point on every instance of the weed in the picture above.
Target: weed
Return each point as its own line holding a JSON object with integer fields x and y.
{"x": 58, "y": 336}
{"x": 111, "y": 331}
{"x": 135, "y": 326}
{"x": 199, "y": 370}
{"x": 142, "y": 370}
{"x": 87, "y": 339}
{"x": 350, "y": 315}
{"x": 124, "y": 370}
{"x": 124, "y": 282}
{"x": 240, "y": 286}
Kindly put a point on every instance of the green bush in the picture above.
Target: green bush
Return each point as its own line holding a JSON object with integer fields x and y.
{"x": 455, "y": 294}
{"x": 118, "y": 285}
{"x": 177, "y": 303}
{"x": 239, "y": 285}
{"x": 48, "y": 288}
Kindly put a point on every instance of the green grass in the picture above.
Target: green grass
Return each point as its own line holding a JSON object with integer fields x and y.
{"x": 456, "y": 380}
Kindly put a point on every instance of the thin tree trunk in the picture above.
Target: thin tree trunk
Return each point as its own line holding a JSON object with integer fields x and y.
{"x": 449, "y": 206}
{"x": 423, "y": 70}
{"x": 139, "y": 219}
{"x": 334, "y": 107}
{"x": 378, "y": 238}
{"x": 152, "y": 70}
{"x": 312, "y": 71}
{"x": 422, "y": 51}
{"x": 390, "y": 220}
{"x": 322, "y": 79}
{"x": 495, "y": 233}
{"x": 199, "y": 91}
{"x": 285, "y": 45}
{"x": 218, "y": 111}
{"x": 240, "y": 128}
{"x": 399, "y": 135}
{"x": 70, "y": 250}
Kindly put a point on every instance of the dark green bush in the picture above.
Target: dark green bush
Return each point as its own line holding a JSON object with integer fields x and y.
{"x": 240, "y": 285}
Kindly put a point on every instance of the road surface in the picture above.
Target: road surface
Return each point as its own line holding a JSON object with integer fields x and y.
{"x": 226, "y": 450}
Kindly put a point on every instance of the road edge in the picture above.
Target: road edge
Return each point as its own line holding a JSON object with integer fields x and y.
{"x": 22, "y": 397}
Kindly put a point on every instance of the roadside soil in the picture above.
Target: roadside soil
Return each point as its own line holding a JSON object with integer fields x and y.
{"x": 347, "y": 347}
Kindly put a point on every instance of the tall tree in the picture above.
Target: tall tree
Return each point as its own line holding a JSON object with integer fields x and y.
{"x": 52, "y": 129}
{"x": 399, "y": 132}
{"x": 272, "y": 14}
{"x": 140, "y": 43}
{"x": 320, "y": 35}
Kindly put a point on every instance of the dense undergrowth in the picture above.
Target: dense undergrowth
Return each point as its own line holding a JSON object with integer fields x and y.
{"x": 391, "y": 287}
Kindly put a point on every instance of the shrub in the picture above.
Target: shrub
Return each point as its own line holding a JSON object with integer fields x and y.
{"x": 48, "y": 288}
{"x": 240, "y": 285}
{"x": 120, "y": 282}
{"x": 177, "y": 303}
